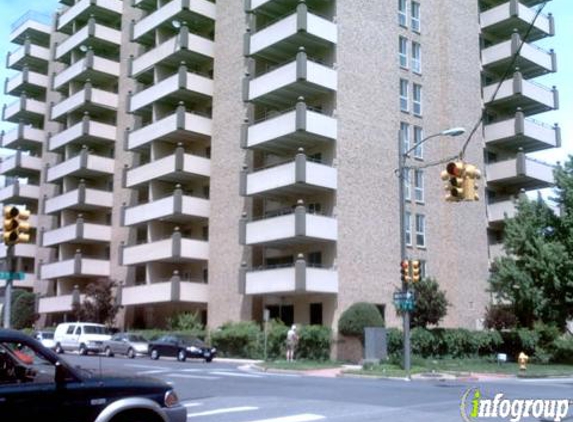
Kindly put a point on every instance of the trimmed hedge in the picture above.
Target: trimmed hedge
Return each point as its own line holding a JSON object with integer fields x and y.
{"x": 357, "y": 317}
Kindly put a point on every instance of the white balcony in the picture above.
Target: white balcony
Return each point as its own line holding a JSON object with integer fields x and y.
{"x": 183, "y": 86}
{"x": 520, "y": 173}
{"x": 80, "y": 199}
{"x": 75, "y": 267}
{"x": 20, "y": 165}
{"x": 179, "y": 167}
{"x": 83, "y": 165}
{"x": 165, "y": 292}
{"x": 532, "y": 61}
{"x": 501, "y": 21}
{"x": 98, "y": 70}
{"x": 56, "y": 304}
{"x": 176, "y": 208}
{"x": 498, "y": 211}
{"x": 22, "y": 136}
{"x": 185, "y": 46}
{"x": 79, "y": 232}
{"x": 33, "y": 26}
{"x": 29, "y": 82}
{"x": 519, "y": 132}
{"x": 196, "y": 11}
{"x": 102, "y": 10}
{"x": 178, "y": 127}
{"x": 287, "y": 132}
{"x": 34, "y": 57}
{"x": 174, "y": 249}
{"x": 298, "y": 279}
{"x": 88, "y": 132}
{"x": 300, "y": 176}
{"x": 281, "y": 40}
{"x": 99, "y": 37}
{"x": 282, "y": 86}
{"x": 20, "y": 193}
{"x": 21, "y": 250}
{"x": 25, "y": 109}
{"x": 89, "y": 99}
{"x": 517, "y": 92}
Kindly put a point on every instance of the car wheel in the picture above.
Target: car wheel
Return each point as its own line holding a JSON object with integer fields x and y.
{"x": 209, "y": 359}
{"x": 181, "y": 356}
{"x": 154, "y": 354}
{"x": 130, "y": 353}
{"x": 108, "y": 352}
{"x": 83, "y": 350}
{"x": 58, "y": 349}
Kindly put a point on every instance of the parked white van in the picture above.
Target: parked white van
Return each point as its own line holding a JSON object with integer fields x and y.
{"x": 83, "y": 337}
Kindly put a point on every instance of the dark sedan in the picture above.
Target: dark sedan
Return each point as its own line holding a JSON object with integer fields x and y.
{"x": 181, "y": 347}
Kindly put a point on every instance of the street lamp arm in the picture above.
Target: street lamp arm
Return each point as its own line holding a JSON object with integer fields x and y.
{"x": 457, "y": 131}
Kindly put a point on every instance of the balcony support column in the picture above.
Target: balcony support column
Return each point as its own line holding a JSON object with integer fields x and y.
{"x": 300, "y": 219}
{"x": 300, "y": 166}
{"x": 300, "y": 273}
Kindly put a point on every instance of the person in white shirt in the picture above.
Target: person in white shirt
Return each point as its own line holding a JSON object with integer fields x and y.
{"x": 291, "y": 342}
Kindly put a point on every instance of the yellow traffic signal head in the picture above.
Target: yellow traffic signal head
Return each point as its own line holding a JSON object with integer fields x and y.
{"x": 471, "y": 174}
{"x": 16, "y": 226}
{"x": 454, "y": 175}
{"x": 415, "y": 271}
{"x": 405, "y": 271}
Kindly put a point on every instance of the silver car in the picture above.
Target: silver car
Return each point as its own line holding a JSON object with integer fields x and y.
{"x": 127, "y": 344}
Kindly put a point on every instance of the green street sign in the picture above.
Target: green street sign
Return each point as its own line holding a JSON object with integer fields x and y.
{"x": 5, "y": 275}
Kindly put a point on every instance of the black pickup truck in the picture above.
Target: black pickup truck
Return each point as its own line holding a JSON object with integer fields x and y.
{"x": 36, "y": 384}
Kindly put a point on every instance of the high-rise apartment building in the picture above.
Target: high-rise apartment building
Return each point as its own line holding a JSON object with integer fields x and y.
{"x": 231, "y": 157}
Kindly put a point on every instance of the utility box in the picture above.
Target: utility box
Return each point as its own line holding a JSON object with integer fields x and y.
{"x": 375, "y": 344}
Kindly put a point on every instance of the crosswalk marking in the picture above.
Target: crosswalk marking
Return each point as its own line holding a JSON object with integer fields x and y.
{"x": 303, "y": 417}
{"x": 220, "y": 411}
{"x": 235, "y": 374}
{"x": 201, "y": 377}
{"x": 135, "y": 365}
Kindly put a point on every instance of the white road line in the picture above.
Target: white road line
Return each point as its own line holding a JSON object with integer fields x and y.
{"x": 194, "y": 404}
{"x": 235, "y": 374}
{"x": 191, "y": 370}
{"x": 303, "y": 417}
{"x": 153, "y": 371}
{"x": 135, "y": 365}
{"x": 220, "y": 411}
{"x": 201, "y": 377}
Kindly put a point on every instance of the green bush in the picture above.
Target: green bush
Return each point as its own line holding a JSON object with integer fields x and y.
{"x": 423, "y": 342}
{"x": 276, "y": 340}
{"x": 395, "y": 341}
{"x": 238, "y": 339}
{"x": 563, "y": 350}
{"x": 185, "y": 322}
{"x": 23, "y": 304}
{"x": 486, "y": 342}
{"x": 313, "y": 343}
{"x": 357, "y": 317}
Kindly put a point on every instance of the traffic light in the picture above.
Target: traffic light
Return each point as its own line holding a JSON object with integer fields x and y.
{"x": 415, "y": 271}
{"x": 471, "y": 174}
{"x": 405, "y": 271}
{"x": 454, "y": 176}
{"x": 16, "y": 226}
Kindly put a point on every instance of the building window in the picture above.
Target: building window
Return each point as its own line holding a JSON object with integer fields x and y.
{"x": 316, "y": 313}
{"x": 418, "y": 136}
{"x": 408, "y": 228}
{"x": 417, "y": 100}
{"x": 402, "y": 16}
{"x": 419, "y": 185}
{"x": 415, "y": 16}
{"x": 407, "y": 183}
{"x": 416, "y": 57}
{"x": 403, "y": 48}
{"x": 420, "y": 230}
{"x": 405, "y": 136}
{"x": 423, "y": 269}
{"x": 403, "y": 95}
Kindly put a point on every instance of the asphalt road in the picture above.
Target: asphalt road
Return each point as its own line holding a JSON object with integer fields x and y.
{"x": 235, "y": 392}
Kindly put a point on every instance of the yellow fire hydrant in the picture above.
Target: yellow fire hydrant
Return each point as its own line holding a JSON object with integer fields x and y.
{"x": 522, "y": 359}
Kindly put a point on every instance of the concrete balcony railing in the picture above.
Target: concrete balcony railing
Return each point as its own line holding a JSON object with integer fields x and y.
{"x": 298, "y": 128}
{"x": 520, "y": 132}
{"x": 173, "y": 249}
{"x": 196, "y": 11}
{"x": 532, "y": 61}
{"x": 185, "y": 46}
{"x": 177, "y": 127}
{"x": 516, "y": 93}
{"x": 33, "y": 26}
{"x": 78, "y": 266}
{"x": 488, "y": 4}
{"x": 20, "y": 193}
{"x": 22, "y": 136}
{"x": 144, "y": 4}
{"x": 178, "y": 167}
{"x": 35, "y": 57}
{"x": 498, "y": 211}
{"x": 300, "y": 173}
{"x": 25, "y": 109}
{"x": 87, "y": 132}
{"x": 177, "y": 208}
{"x": 104, "y": 11}
{"x": 299, "y": 278}
{"x": 57, "y": 304}
{"x": 282, "y": 86}
{"x": 96, "y": 36}
{"x": 88, "y": 99}
{"x": 520, "y": 173}
{"x": 298, "y": 226}
{"x": 174, "y": 290}
{"x": 79, "y": 232}
{"x": 20, "y": 165}
{"x": 82, "y": 165}
{"x": 281, "y": 40}
{"x": 79, "y": 199}
{"x": 21, "y": 250}
{"x": 91, "y": 67}
{"x": 29, "y": 82}
{"x": 183, "y": 86}
{"x": 501, "y": 21}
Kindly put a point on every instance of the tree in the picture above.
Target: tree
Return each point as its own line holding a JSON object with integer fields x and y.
{"x": 23, "y": 309}
{"x": 99, "y": 304}
{"x": 431, "y": 303}
{"x": 357, "y": 317}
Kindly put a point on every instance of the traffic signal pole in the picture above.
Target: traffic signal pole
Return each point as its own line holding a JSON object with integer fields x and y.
{"x": 8, "y": 291}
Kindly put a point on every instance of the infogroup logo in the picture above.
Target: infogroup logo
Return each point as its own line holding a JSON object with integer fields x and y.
{"x": 474, "y": 407}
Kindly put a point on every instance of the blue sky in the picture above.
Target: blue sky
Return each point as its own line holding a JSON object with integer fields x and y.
{"x": 561, "y": 9}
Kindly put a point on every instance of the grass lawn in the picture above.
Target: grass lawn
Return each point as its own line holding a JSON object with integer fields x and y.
{"x": 300, "y": 365}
